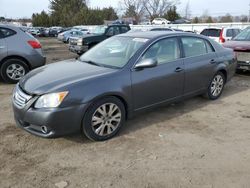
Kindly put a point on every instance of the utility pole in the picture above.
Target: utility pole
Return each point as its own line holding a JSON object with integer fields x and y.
{"x": 249, "y": 14}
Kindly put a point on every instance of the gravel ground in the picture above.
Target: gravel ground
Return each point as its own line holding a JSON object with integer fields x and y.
{"x": 196, "y": 143}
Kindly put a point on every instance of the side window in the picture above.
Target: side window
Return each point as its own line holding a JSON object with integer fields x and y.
{"x": 229, "y": 33}
{"x": 209, "y": 46}
{"x": 124, "y": 29}
{"x": 193, "y": 46}
{"x": 6, "y": 32}
{"x": 236, "y": 32}
{"x": 116, "y": 31}
{"x": 204, "y": 32}
{"x": 166, "y": 50}
{"x": 110, "y": 31}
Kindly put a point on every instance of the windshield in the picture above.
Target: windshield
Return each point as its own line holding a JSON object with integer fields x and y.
{"x": 244, "y": 35}
{"x": 100, "y": 29}
{"x": 114, "y": 52}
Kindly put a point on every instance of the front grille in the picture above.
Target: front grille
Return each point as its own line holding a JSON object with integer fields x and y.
{"x": 20, "y": 98}
{"x": 243, "y": 56}
{"x": 73, "y": 42}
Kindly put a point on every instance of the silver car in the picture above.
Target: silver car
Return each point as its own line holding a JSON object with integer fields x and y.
{"x": 20, "y": 52}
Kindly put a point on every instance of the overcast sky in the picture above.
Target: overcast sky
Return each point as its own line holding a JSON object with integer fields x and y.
{"x": 25, "y": 8}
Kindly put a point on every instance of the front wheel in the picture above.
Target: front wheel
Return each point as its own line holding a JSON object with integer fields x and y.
{"x": 216, "y": 86}
{"x": 104, "y": 119}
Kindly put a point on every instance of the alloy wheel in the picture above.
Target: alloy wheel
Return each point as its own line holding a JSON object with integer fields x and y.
{"x": 217, "y": 85}
{"x": 106, "y": 119}
{"x": 15, "y": 71}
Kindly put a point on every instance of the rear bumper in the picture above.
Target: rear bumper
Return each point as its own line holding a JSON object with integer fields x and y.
{"x": 78, "y": 49}
{"x": 58, "y": 121}
{"x": 36, "y": 60}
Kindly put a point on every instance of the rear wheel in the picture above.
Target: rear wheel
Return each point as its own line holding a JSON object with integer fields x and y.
{"x": 104, "y": 119}
{"x": 216, "y": 86}
{"x": 13, "y": 70}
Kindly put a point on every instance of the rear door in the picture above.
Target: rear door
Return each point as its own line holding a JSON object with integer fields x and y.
{"x": 3, "y": 45}
{"x": 200, "y": 63}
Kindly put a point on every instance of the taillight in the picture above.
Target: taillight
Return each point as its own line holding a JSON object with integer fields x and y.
{"x": 34, "y": 44}
{"x": 222, "y": 40}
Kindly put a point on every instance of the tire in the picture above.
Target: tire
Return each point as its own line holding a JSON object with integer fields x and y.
{"x": 98, "y": 125}
{"x": 216, "y": 86}
{"x": 13, "y": 70}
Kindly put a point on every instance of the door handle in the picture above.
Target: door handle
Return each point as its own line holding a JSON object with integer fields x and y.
{"x": 2, "y": 47}
{"x": 212, "y": 61}
{"x": 178, "y": 69}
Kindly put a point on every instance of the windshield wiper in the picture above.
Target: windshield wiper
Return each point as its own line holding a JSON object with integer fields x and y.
{"x": 91, "y": 62}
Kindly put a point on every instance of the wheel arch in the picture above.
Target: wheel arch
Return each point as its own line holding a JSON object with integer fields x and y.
{"x": 15, "y": 57}
{"x": 118, "y": 96}
{"x": 224, "y": 72}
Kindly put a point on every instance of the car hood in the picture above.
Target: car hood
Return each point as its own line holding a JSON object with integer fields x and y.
{"x": 238, "y": 45}
{"x": 56, "y": 76}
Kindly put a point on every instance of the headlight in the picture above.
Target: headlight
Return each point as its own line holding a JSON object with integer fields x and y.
{"x": 79, "y": 42}
{"x": 52, "y": 100}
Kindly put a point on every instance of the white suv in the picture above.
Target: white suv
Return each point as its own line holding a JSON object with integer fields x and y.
{"x": 221, "y": 35}
{"x": 160, "y": 21}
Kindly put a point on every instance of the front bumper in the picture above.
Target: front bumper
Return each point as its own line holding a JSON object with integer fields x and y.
{"x": 78, "y": 49}
{"x": 58, "y": 121}
{"x": 243, "y": 65}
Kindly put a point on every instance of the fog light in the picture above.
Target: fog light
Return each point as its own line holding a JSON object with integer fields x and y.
{"x": 44, "y": 129}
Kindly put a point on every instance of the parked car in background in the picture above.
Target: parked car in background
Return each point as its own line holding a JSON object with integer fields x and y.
{"x": 117, "y": 79}
{"x": 34, "y": 31}
{"x": 241, "y": 45}
{"x": 54, "y": 31}
{"x": 181, "y": 21}
{"x": 83, "y": 44}
{"x": 165, "y": 29}
{"x": 160, "y": 21}
{"x": 145, "y": 22}
{"x": 44, "y": 32}
{"x": 19, "y": 53}
{"x": 76, "y": 36}
{"x": 65, "y": 36}
{"x": 221, "y": 35}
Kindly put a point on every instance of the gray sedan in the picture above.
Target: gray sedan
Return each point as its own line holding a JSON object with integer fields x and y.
{"x": 117, "y": 79}
{"x": 19, "y": 53}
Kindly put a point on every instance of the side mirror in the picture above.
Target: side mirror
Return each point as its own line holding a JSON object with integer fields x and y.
{"x": 146, "y": 63}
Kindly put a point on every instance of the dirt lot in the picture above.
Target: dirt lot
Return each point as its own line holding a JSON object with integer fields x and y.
{"x": 196, "y": 143}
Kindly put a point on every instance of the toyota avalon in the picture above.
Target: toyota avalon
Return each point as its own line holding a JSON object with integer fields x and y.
{"x": 117, "y": 79}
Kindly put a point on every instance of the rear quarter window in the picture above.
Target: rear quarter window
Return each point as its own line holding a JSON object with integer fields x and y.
{"x": 5, "y": 32}
{"x": 124, "y": 29}
{"x": 229, "y": 33}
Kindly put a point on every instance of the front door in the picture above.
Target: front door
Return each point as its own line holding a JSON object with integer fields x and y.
{"x": 164, "y": 82}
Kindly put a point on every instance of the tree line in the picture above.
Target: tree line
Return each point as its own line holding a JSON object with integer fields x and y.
{"x": 69, "y": 13}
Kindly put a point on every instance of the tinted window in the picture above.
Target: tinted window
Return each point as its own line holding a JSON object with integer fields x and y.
{"x": 229, "y": 33}
{"x": 211, "y": 32}
{"x": 194, "y": 46}
{"x": 124, "y": 29}
{"x": 164, "y": 51}
{"x": 236, "y": 32}
{"x": 113, "y": 31}
{"x": 7, "y": 32}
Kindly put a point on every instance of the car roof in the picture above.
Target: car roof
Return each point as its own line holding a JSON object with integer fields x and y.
{"x": 156, "y": 34}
